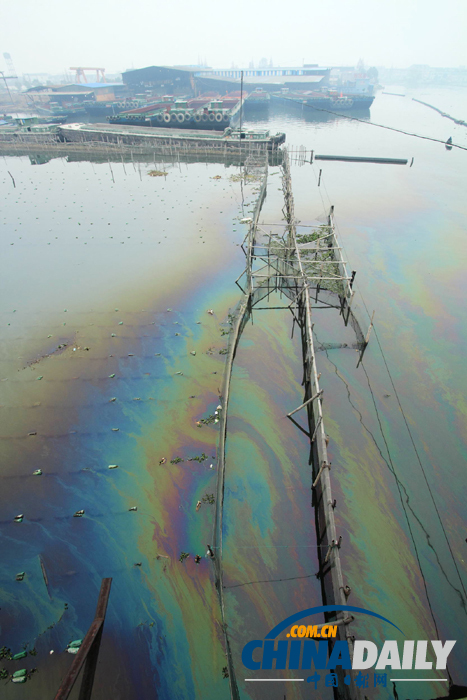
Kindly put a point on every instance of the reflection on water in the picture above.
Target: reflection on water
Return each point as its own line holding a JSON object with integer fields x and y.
{"x": 96, "y": 253}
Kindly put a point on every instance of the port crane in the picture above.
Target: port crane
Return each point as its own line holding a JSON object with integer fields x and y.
{"x": 80, "y": 73}
{"x": 11, "y": 70}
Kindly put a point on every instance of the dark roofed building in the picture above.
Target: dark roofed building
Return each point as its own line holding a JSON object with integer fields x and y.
{"x": 176, "y": 80}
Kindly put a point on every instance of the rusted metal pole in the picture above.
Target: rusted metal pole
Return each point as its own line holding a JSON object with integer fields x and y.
{"x": 88, "y": 652}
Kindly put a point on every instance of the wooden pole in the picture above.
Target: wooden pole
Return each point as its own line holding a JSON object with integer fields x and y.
{"x": 241, "y": 106}
{"x": 88, "y": 651}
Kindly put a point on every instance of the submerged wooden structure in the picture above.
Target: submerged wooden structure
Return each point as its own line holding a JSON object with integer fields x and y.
{"x": 88, "y": 652}
{"x": 306, "y": 268}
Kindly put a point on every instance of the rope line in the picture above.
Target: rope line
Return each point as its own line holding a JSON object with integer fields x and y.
{"x": 463, "y": 602}
{"x": 272, "y": 580}
{"x": 381, "y": 126}
{"x": 399, "y": 484}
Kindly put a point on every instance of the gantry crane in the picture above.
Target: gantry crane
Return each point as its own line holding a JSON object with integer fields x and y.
{"x": 80, "y": 73}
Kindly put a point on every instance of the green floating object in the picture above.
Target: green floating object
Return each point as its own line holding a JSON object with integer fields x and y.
{"x": 41, "y": 377}
{"x": 113, "y": 466}
{"x": 120, "y": 323}
{"x": 192, "y": 352}
{"x": 21, "y": 655}
{"x": 37, "y": 472}
{"x": 76, "y": 644}
{"x": 19, "y": 674}
{"x": 111, "y": 376}
{"x": 20, "y": 576}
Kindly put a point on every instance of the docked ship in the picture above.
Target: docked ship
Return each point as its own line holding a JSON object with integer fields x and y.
{"x": 258, "y": 98}
{"x": 211, "y": 112}
{"x": 105, "y": 109}
{"x": 331, "y": 100}
{"x": 62, "y": 112}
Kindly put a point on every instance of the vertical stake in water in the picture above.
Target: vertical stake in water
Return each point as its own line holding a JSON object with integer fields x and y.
{"x": 241, "y": 105}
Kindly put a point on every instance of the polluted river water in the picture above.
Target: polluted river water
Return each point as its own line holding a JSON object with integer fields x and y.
{"x": 110, "y": 357}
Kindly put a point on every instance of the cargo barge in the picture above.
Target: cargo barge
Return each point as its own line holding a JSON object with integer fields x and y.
{"x": 206, "y": 112}
{"x": 171, "y": 138}
{"x": 332, "y": 101}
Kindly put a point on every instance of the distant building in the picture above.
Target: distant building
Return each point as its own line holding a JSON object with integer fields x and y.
{"x": 78, "y": 92}
{"x": 174, "y": 80}
{"x": 420, "y": 75}
{"x": 270, "y": 78}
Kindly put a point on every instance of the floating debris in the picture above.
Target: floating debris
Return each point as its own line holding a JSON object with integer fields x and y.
{"x": 183, "y": 556}
{"x": 113, "y": 466}
{"x": 157, "y": 173}
{"x": 115, "y": 430}
{"x": 20, "y": 576}
{"x": 162, "y": 461}
{"x": 76, "y": 644}
{"x": 178, "y": 372}
{"x": 198, "y": 505}
{"x": 197, "y": 559}
{"x": 37, "y": 472}
{"x": 19, "y": 676}
{"x": 111, "y": 376}
{"x": 73, "y": 647}
{"x": 199, "y": 458}
{"x": 39, "y": 378}
{"x": 211, "y": 312}
{"x": 114, "y": 398}
{"x": 33, "y": 432}
{"x": 18, "y": 518}
{"x": 192, "y": 352}
{"x": 78, "y": 514}
{"x": 133, "y": 508}
{"x": 209, "y": 498}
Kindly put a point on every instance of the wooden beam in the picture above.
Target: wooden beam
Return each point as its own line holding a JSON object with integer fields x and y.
{"x": 88, "y": 651}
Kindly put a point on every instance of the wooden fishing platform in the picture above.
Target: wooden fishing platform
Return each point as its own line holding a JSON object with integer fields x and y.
{"x": 308, "y": 269}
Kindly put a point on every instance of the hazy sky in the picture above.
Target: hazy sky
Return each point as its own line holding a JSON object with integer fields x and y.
{"x": 53, "y": 35}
